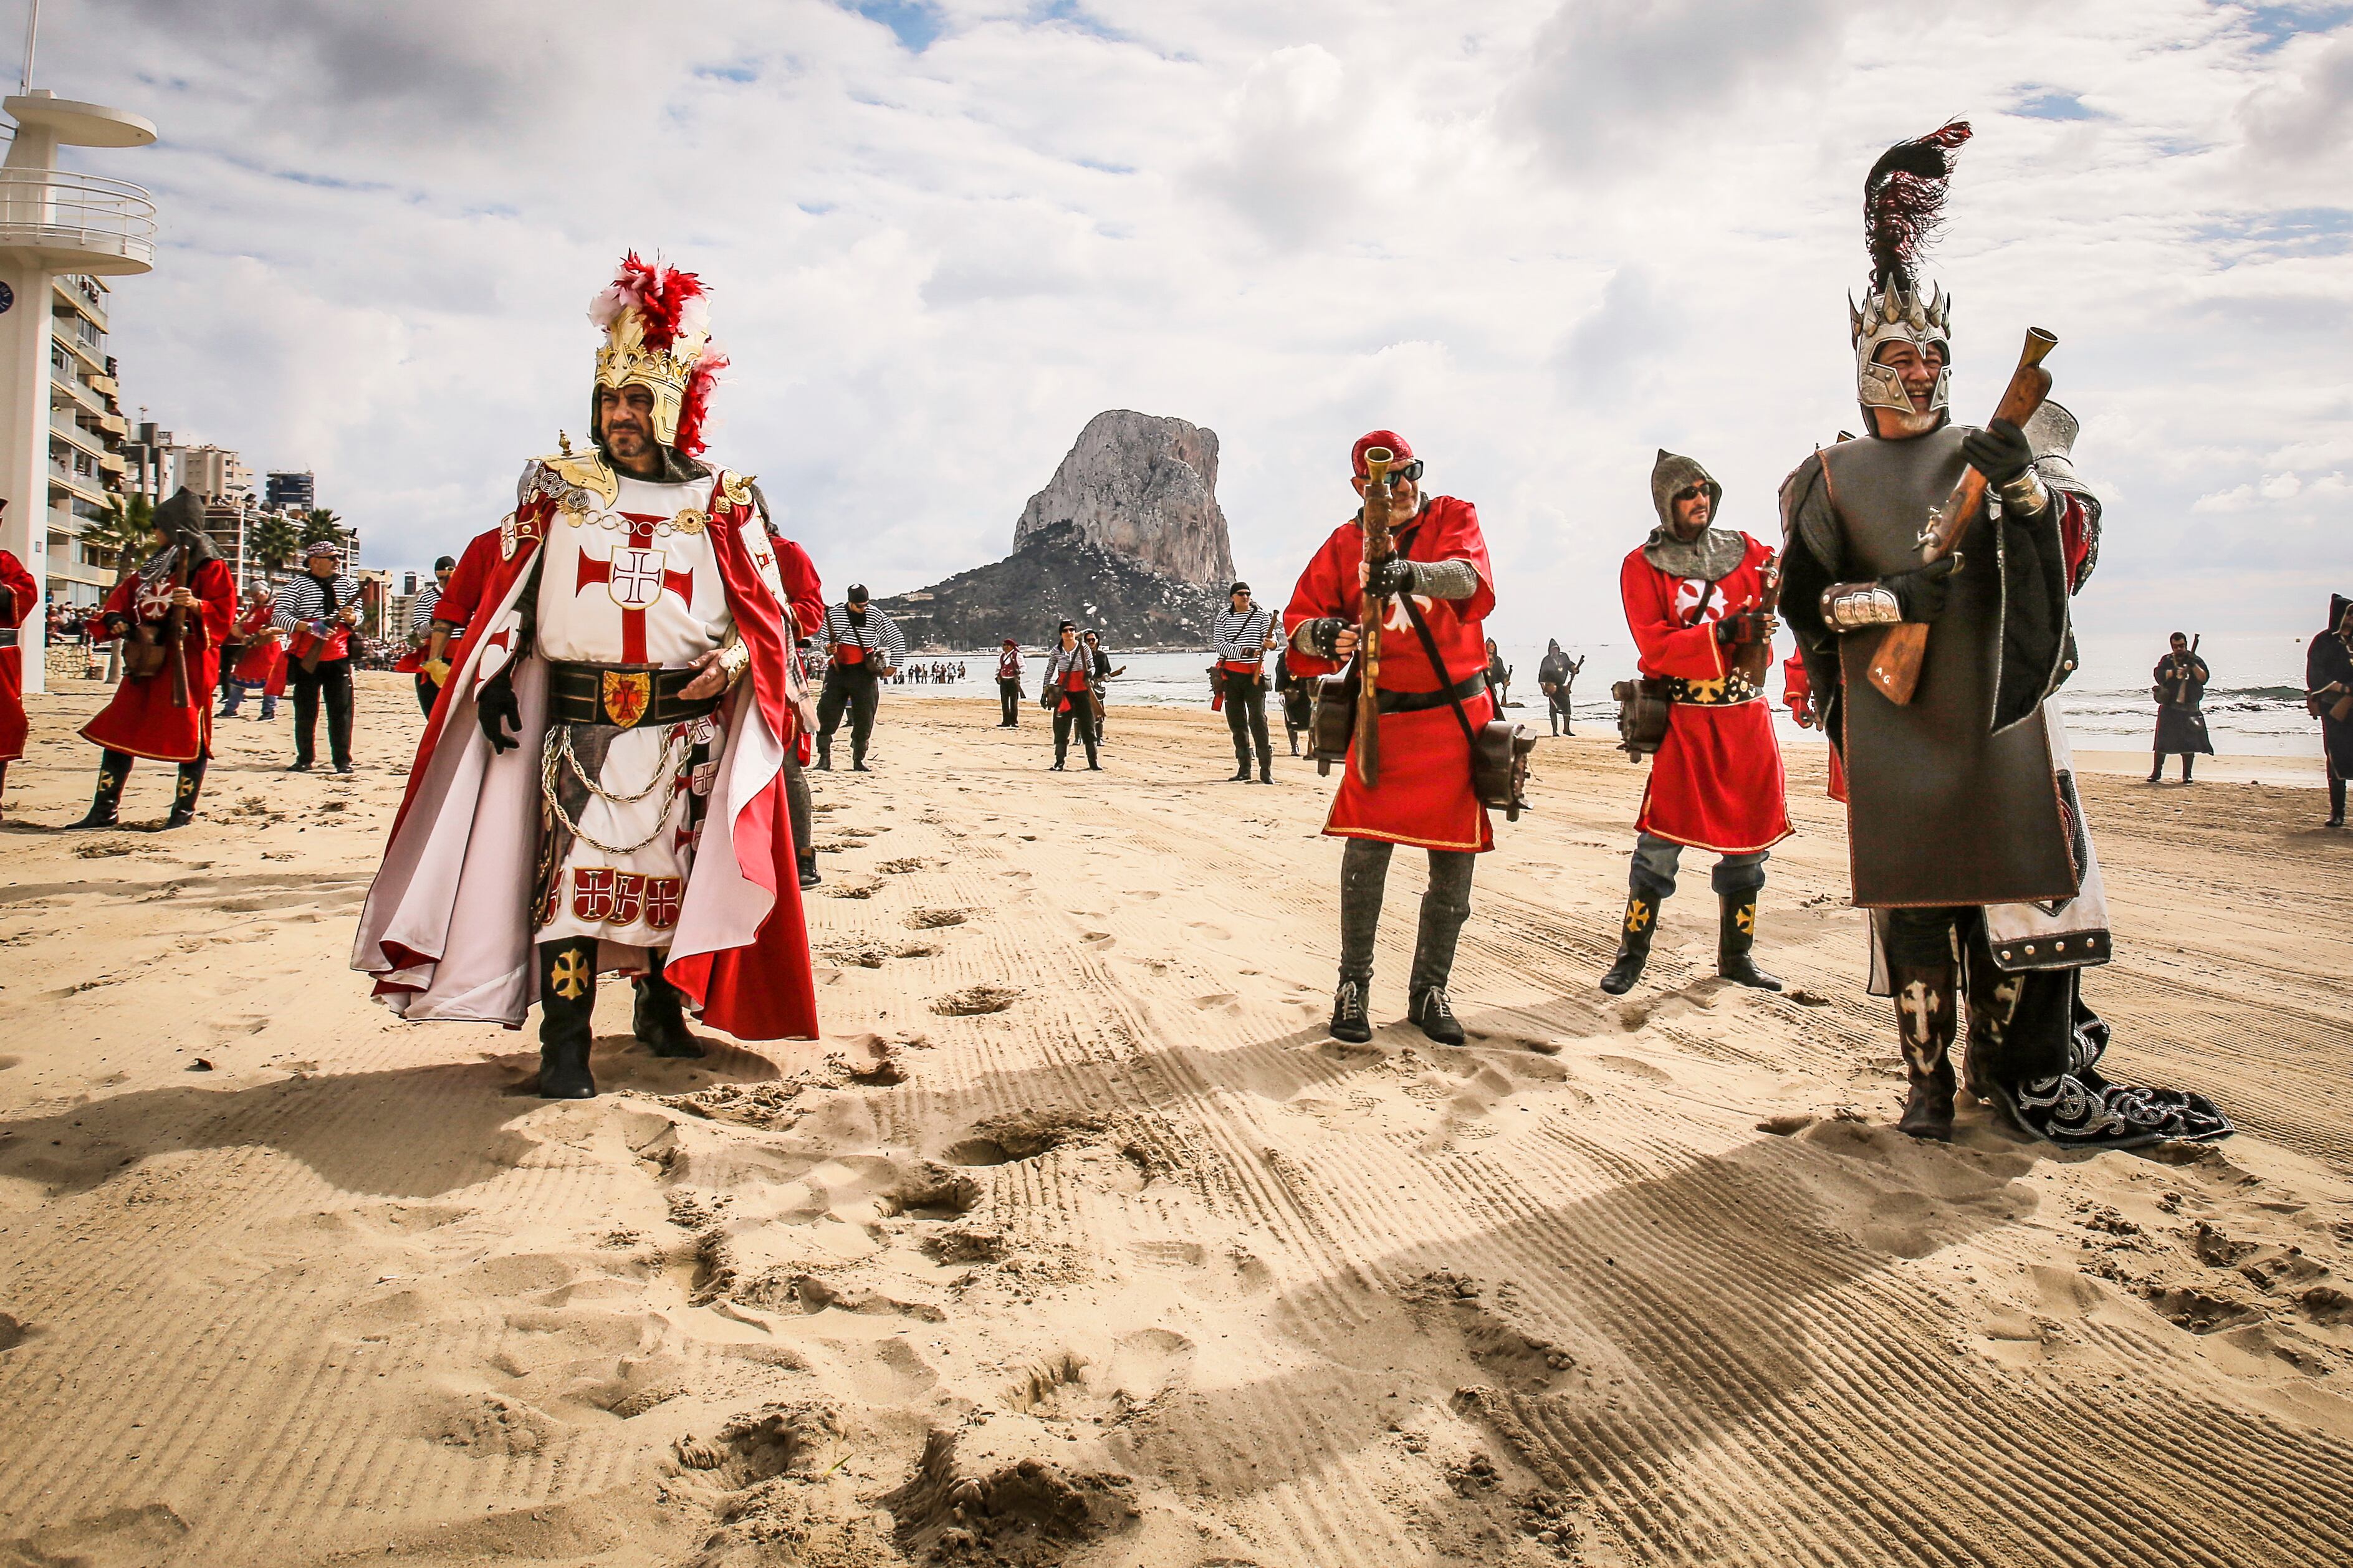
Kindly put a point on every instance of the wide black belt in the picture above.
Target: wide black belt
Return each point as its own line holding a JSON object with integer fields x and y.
{"x": 1730, "y": 692}
{"x": 8, "y": 637}
{"x": 1462, "y": 691}
{"x": 623, "y": 695}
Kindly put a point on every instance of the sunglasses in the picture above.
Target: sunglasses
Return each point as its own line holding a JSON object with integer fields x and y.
{"x": 1690, "y": 493}
{"x": 1409, "y": 472}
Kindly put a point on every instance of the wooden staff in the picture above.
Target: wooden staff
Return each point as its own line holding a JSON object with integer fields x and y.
{"x": 1378, "y": 547}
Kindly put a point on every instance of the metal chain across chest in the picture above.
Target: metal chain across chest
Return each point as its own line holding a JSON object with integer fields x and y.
{"x": 557, "y": 754}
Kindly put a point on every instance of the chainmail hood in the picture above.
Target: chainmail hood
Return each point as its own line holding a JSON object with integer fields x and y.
{"x": 1718, "y": 553}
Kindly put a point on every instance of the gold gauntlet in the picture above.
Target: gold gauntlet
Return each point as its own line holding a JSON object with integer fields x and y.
{"x": 1850, "y": 606}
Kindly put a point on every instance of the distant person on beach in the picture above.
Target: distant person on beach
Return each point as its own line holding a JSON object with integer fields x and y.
{"x": 1554, "y": 675}
{"x": 2180, "y": 680}
{"x": 420, "y": 633}
{"x": 1693, "y": 593}
{"x": 173, "y": 614}
{"x": 1008, "y": 685}
{"x": 867, "y": 647}
{"x": 2329, "y": 685}
{"x": 1297, "y": 695}
{"x": 18, "y": 598}
{"x": 317, "y": 609}
{"x": 1068, "y": 694}
{"x": 1967, "y": 839}
{"x": 600, "y": 788}
{"x": 1499, "y": 675}
{"x": 261, "y": 656}
{"x": 1439, "y": 584}
{"x": 1242, "y": 635}
{"x": 1099, "y": 680}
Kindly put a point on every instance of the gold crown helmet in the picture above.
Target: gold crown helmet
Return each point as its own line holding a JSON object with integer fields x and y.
{"x": 1903, "y": 207}
{"x": 657, "y": 329}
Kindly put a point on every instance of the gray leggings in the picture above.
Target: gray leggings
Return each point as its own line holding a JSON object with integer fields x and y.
{"x": 1364, "y": 878}
{"x": 1653, "y": 874}
{"x": 796, "y": 802}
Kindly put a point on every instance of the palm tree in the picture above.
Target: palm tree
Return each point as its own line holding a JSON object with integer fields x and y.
{"x": 320, "y": 524}
{"x": 272, "y": 540}
{"x": 125, "y": 529}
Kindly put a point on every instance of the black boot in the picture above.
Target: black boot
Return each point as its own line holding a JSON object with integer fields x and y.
{"x": 824, "y": 753}
{"x": 1641, "y": 923}
{"x": 659, "y": 1019}
{"x": 1429, "y": 1011}
{"x": 2156, "y": 769}
{"x": 1242, "y": 768}
{"x": 1349, "y": 1021}
{"x": 2186, "y": 762}
{"x": 567, "y": 1004}
{"x": 113, "y": 772}
{"x": 1925, "y": 1020}
{"x": 809, "y": 878}
{"x": 1735, "y": 934}
{"x": 2335, "y": 802}
{"x": 183, "y": 795}
{"x": 1266, "y": 769}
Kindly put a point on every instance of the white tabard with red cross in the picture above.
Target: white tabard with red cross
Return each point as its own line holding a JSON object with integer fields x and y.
{"x": 636, "y": 584}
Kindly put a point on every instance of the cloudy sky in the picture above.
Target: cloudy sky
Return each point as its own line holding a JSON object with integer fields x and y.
{"x": 1542, "y": 237}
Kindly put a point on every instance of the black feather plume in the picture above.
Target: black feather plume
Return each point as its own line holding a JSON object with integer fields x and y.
{"x": 1903, "y": 202}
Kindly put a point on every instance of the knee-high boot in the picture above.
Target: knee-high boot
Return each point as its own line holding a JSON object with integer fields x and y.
{"x": 191, "y": 784}
{"x": 1927, "y": 1020}
{"x": 659, "y": 1019}
{"x": 1635, "y": 931}
{"x": 1735, "y": 937}
{"x": 568, "y": 1006}
{"x": 1444, "y": 907}
{"x": 113, "y": 772}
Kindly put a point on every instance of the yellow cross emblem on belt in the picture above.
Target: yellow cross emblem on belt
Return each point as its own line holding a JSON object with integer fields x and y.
{"x": 571, "y": 977}
{"x": 1705, "y": 690}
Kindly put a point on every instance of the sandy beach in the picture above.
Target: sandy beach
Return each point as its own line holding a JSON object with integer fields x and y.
{"x": 1077, "y": 1240}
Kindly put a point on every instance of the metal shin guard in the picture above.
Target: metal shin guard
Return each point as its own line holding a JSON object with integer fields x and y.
{"x": 1634, "y": 934}
{"x": 113, "y": 772}
{"x": 191, "y": 784}
{"x": 659, "y": 1018}
{"x": 1926, "y": 1019}
{"x": 567, "y": 1005}
{"x": 1736, "y": 936}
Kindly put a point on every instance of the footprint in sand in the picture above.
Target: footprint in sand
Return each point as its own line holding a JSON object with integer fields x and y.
{"x": 931, "y": 920}
{"x": 974, "y": 1000}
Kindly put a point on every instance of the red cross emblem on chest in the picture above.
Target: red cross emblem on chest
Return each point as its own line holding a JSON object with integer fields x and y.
{"x": 634, "y": 578}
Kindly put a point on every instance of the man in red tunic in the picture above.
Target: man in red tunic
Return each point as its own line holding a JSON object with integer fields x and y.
{"x": 166, "y": 712}
{"x": 18, "y": 594}
{"x": 261, "y": 656}
{"x": 1439, "y": 584}
{"x": 600, "y": 785}
{"x": 1692, "y": 595}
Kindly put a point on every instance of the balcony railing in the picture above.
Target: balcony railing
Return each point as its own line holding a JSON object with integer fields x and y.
{"x": 61, "y": 211}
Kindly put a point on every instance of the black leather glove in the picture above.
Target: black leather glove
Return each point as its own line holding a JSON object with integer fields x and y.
{"x": 498, "y": 712}
{"x": 1921, "y": 594}
{"x": 2000, "y": 452}
{"x": 1394, "y": 576}
{"x": 1323, "y": 635}
{"x": 1745, "y": 626}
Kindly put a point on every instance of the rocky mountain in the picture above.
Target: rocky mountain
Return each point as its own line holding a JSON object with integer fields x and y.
{"x": 1057, "y": 574}
{"x": 1142, "y": 486}
{"x": 1128, "y": 539}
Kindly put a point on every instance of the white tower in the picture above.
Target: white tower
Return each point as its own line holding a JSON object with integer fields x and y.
{"x": 53, "y": 223}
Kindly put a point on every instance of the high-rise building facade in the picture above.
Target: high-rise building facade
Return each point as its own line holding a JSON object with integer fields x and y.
{"x": 87, "y": 466}
{"x": 285, "y": 490}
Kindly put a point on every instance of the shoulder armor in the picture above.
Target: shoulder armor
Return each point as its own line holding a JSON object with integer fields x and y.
{"x": 563, "y": 471}
{"x": 736, "y": 488}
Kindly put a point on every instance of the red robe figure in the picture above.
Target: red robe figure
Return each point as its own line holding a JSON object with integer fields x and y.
{"x": 18, "y": 595}
{"x": 1440, "y": 579}
{"x": 262, "y": 662}
{"x": 173, "y": 614}
{"x": 805, "y": 601}
{"x": 601, "y": 785}
{"x": 1798, "y": 695}
{"x": 1692, "y": 595}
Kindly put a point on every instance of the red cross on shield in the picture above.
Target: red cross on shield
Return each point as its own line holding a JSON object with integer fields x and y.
{"x": 637, "y": 579}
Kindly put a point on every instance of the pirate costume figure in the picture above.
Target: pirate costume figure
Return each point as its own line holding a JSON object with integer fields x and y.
{"x": 18, "y": 594}
{"x": 1438, "y": 590}
{"x": 173, "y": 614}
{"x": 1693, "y": 594}
{"x": 2178, "y": 684}
{"x": 600, "y": 787}
{"x": 867, "y": 645}
{"x": 1968, "y": 841}
{"x": 2328, "y": 686}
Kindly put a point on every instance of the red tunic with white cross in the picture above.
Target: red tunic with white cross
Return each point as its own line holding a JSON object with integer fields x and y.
{"x": 636, "y": 584}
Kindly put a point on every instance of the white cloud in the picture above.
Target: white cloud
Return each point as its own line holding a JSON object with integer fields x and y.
{"x": 1541, "y": 238}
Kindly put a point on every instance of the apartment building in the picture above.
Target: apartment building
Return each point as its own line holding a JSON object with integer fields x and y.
{"x": 86, "y": 467}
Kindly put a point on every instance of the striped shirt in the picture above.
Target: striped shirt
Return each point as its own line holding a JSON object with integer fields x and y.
{"x": 420, "y": 608}
{"x": 1241, "y": 637}
{"x": 302, "y": 598}
{"x": 879, "y": 633}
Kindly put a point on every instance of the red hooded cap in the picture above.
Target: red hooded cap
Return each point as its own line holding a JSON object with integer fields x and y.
{"x": 1371, "y": 438}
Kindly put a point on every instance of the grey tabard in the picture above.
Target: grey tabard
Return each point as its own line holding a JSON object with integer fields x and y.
{"x": 1941, "y": 808}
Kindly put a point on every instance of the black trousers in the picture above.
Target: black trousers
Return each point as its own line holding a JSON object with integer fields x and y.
{"x": 1079, "y": 716}
{"x": 426, "y": 692}
{"x": 334, "y": 678}
{"x": 800, "y": 809}
{"x": 1246, "y": 717}
{"x": 860, "y": 695}
{"x": 1008, "y": 693}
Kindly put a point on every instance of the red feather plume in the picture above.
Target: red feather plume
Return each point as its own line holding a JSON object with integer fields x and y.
{"x": 694, "y": 407}
{"x": 660, "y": 294}
{"x": 1904, "y": 201}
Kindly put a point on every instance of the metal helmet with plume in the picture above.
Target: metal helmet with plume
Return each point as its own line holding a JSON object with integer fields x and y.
{"x": 657, "y": 327}
{"x": 1903, "y": 208}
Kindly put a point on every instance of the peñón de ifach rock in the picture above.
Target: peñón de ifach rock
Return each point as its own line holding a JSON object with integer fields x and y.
{"x": 1144, "y": 486}
{"x": 1056, "y": 575}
